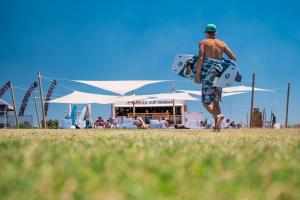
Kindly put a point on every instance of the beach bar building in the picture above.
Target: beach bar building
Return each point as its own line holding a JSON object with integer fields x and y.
{"x": 156, "y": 108}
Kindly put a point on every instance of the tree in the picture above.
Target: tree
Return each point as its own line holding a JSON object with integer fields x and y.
{"x": 52, "y": 124}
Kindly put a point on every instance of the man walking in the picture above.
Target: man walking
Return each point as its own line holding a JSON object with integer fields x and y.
{"x": 210, "y": 54}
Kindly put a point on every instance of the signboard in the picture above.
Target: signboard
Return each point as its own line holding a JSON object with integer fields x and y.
{"x": 149, "y": 103}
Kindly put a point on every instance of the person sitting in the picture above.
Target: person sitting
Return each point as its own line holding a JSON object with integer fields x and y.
{"x": 164, "y": 122}
{"x": 227, "y": 123}
{"x": 99, "y": 123}
{"x": 148, "y": 117}
{"x": 232, "y": 124}
{"x": 139, "y": 123}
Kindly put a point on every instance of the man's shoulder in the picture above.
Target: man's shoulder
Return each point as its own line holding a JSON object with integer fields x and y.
{"x": 203, "y": 41}
{"x": 221, "y": 42}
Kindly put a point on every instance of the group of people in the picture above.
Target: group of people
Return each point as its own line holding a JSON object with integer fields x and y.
{"x": 138, "y": 122}
{"x": 110, "y": 123}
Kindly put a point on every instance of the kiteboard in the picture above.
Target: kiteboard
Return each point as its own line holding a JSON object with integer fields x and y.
{"x": 223, "y": 74}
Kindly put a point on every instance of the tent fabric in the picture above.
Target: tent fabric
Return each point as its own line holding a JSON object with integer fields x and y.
{"x": 77, "y": 97}
{"x": 199, "y": 93}
{"x": 244, "y": 88}
{"x": 119, "y": 87}
{"x": 227, "y": 94}
{"x": 175, "y": 96}
{"x": 2, "y": 102}
{"x": 7, "y": 105}
{"x": 229, "y": 91}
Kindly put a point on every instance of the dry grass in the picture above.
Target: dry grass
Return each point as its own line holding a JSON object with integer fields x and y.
{"x": 149, "y": 164}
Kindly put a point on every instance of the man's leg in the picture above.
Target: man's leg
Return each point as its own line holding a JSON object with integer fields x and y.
{"x": 219, "y": 116}
{"x": 211, "y": 109}
{"x": 210, "y": 95}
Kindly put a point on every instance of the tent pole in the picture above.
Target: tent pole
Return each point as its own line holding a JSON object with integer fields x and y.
{"x": 287, "y": 105}
{"x": 252, "y": 100}
{"x": 14, "y": 104}
{"x": 5, "y": 118}
{"x": 36, "y": 110}
{"x": 174, "y": 108}
{"x": 133, "y": 104}
{"x": 263, "y": 117}
{"x": 42, "y": 100}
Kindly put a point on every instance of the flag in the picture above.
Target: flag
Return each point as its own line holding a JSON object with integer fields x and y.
{"x": 51, "y": 88}
{"x": 4, "y": 88}
{"x": 26, "y": 98}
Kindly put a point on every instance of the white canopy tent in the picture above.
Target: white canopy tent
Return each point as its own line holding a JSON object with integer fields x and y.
{"x": 120, "y": 87}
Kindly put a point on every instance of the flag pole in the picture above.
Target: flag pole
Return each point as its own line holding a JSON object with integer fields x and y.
{"x": 287, "y": 105}
{"x": 14, "y": 104}
{"x": 36, "y": 109}
{"x": 252, "y": 100}
{"x": 133, "y": 104}
{"x": 174, "y": 108}
{"x": 42, "y": 100}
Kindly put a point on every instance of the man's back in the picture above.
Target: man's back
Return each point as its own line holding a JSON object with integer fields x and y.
{"x": 214, "y": 48}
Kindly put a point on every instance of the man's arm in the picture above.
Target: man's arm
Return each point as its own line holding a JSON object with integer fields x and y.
{"x": 229, "y": 53}
{"x": 199, "y": 63}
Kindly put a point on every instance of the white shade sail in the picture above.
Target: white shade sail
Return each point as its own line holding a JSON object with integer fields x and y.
{"x": 243, "y": 88}
{"x": 194, "y": 92}
{"x": 9, "y": 107}
{"x": 227, "y": 94}
{"x": 175, "y": 96}
{"x": 229, "y": 91}
{"x": 77, "y": 97}
{"x": 2, "y": 102}
{"x": 199, "y": 93}
{"x": 119, "y": 87}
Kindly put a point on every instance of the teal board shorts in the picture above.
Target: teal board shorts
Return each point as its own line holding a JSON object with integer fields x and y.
{"x": 211, "y": 93}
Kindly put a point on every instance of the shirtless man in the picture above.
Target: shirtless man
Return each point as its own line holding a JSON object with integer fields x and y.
{"x": 210, "y": 53}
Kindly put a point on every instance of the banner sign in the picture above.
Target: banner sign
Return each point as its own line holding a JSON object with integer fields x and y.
{"x": 149, "y": 103}
{"x": 4, "y": 88}
{"x": 50, "y": 91}
{"x": 26, "y": 98}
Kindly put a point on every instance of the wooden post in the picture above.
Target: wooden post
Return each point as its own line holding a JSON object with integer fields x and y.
{"x": 271, "y": 119}
{"x": 14, "y": 104}
{"x": 36, "y": 110}
{"x": 5, "y": 118}
{"x": 287, "y": 105}
{"x": 42, "y": 100}
{"x": 264, "y": 116}
{"x": 174, "y": 108}
{"x": 133, "y": 104}
{"x": 252, "y": 100}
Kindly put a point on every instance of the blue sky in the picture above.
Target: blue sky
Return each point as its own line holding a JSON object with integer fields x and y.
{"x": 123, "y": 40}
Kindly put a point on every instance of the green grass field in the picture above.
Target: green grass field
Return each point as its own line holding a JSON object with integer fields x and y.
{"x": 150, "y": 164}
